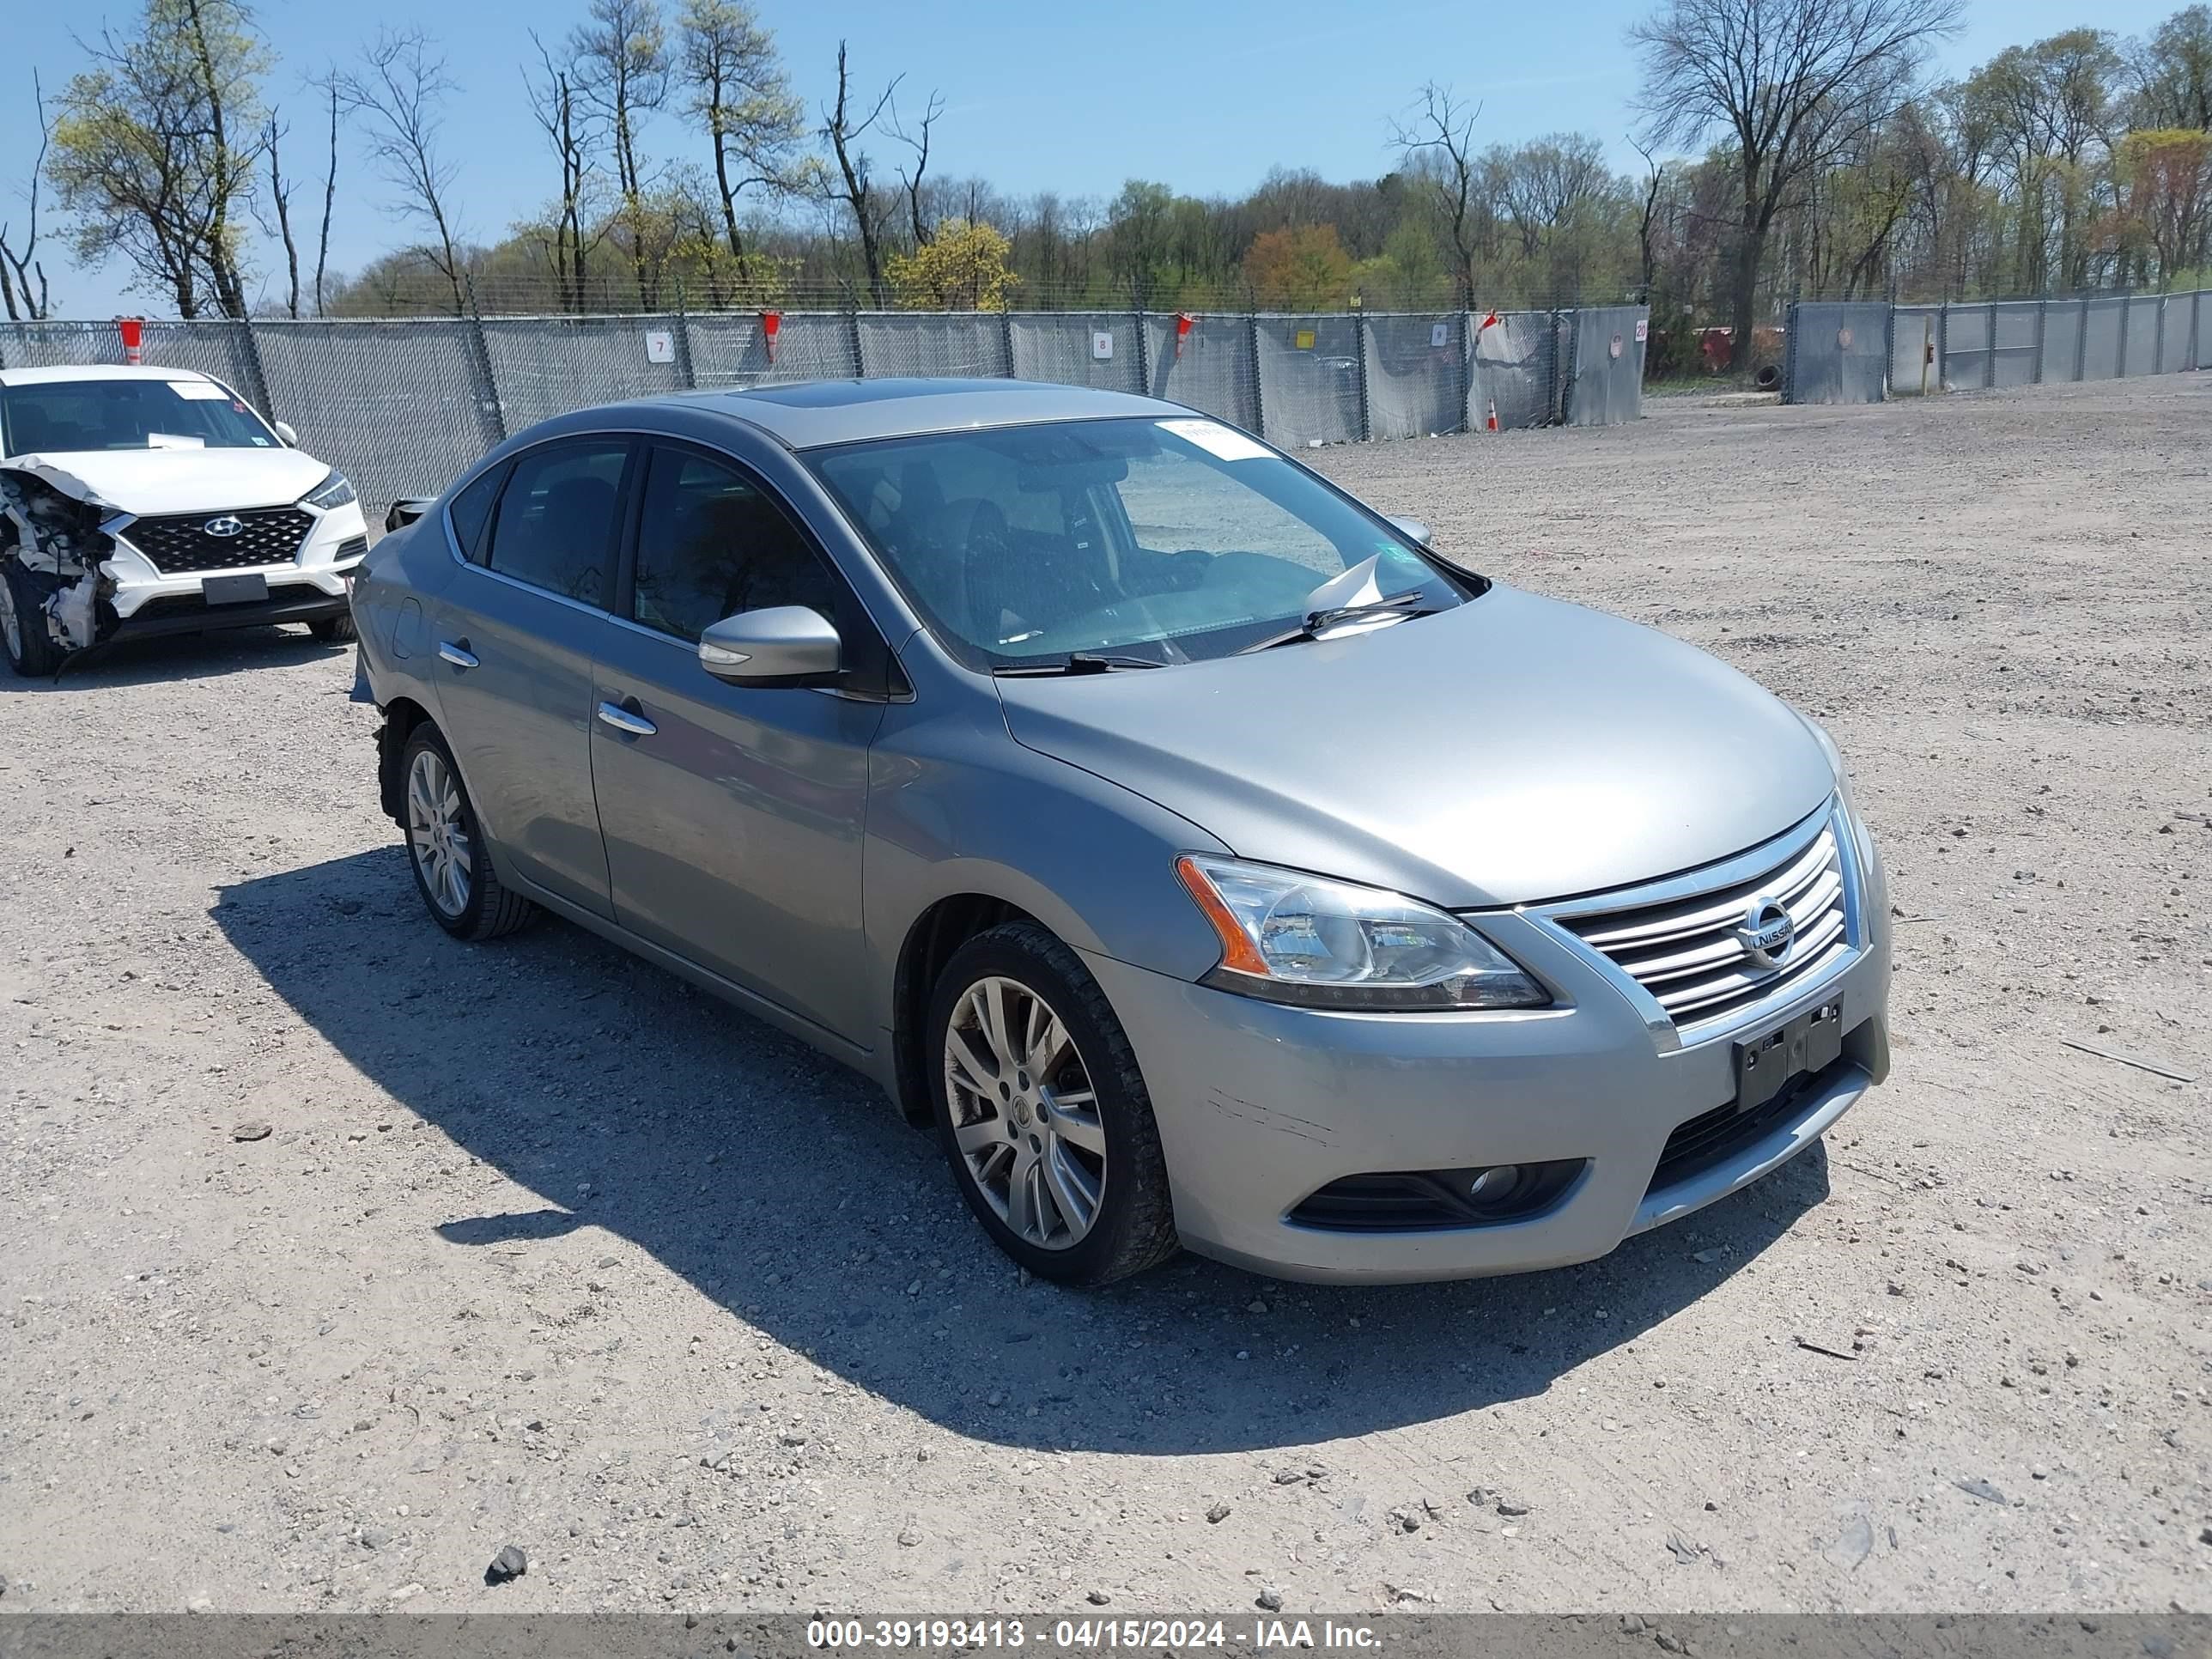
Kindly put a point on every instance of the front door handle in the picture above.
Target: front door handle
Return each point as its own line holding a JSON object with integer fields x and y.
{"x": 459, "y": 655}
{"x": 627, "y": 719}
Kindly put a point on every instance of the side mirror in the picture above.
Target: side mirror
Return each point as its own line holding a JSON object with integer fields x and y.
{"x": 783, "y": 645}
{"x": 408, "y": 509}
{"x": 285, "y": 436}
{"x": 1412, "y": 529}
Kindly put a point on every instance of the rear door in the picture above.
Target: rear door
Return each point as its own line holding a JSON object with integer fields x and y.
{"x": 732, "y": 814}
{"x": 513, "y": 632}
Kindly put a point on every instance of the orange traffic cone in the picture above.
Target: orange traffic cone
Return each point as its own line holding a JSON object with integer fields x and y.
{"x": 1491, "y": 425}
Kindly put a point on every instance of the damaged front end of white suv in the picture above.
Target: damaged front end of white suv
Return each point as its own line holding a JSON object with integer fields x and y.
{"x": 55, "y": 537}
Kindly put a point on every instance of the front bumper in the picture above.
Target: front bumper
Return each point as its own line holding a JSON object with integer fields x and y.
{"x": 1259, "y": 1105}
{"x": 306, "y": 587}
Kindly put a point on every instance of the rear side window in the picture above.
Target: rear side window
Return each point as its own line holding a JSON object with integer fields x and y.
{"x": 554, "y": 528}
{"x": 712, "y": 543}
{"x": 471, "y": 511}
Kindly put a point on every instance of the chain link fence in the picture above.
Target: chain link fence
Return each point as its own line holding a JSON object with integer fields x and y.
{"x": 401, "y": 406}
{"x": 1990, "y": 345}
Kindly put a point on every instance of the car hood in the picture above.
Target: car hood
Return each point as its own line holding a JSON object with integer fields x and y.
{"x": 151, "y": 481}
{"x": 1511, "y": 750}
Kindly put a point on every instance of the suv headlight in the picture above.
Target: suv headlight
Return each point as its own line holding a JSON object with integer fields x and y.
{"x": 1288, "y": 937}
{"x": 333, "y": 492}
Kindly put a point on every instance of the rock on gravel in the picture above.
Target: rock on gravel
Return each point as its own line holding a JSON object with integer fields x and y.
{"x": 509, "y": 1563}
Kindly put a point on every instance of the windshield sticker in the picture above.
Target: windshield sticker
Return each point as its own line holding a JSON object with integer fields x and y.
{"x": 1218, "y": 440}
{"x": 199, "y": 392}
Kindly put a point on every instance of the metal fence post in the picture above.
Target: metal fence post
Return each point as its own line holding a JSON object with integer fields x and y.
{"x": 1467, "y": 340}
{"x": 490, "y": 400}
{"x": 853, "y": 333}
{"x": 2158, "y": 340}
{"x": 1790, "y": 354}
{"x": 1143, "y": 353}
{"x": 2197, "y": 329}
{"x": 2127, "y": 306}
{"x": 1990, "y": 362}
{"x": 253, "y": 367}
{"x": 2081, "y": 342}
{"x": 1360, "y": 337}
{"x": 684, "y": 341}
{"x": 1943, "y": 346}
{"x": 1007, "y": 337}
{"x": 1889, "y": 343}
{"x": 2042, "y": 329}
{"x": 1252, "y": 345}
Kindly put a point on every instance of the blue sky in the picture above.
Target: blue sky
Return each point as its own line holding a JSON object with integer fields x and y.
{"x": 1204, "y": 97}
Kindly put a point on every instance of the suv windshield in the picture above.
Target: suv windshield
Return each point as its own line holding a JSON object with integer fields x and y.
{"x": 58, "y": 416}
{"x": 1170, "y": 539}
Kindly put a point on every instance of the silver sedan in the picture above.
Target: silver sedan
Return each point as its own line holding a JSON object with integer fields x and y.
{"x": 1212, "y": 860}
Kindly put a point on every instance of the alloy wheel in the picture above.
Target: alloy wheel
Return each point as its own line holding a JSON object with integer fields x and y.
{"x": 436, "y": 834}
{"x": 11, "y": 625}
{"x": 1024, "y": 1113}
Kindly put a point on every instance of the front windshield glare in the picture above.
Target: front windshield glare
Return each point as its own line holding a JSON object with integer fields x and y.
{"x": 57, "y": 417}
{"x": 1172, "y": 539}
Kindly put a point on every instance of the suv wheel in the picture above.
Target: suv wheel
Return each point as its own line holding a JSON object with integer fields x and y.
{"x": 23, "y": 634}
{"x": 333, "y": 630}
{"x": 1043, "y": 1113}
{"x": 446, "y": 846}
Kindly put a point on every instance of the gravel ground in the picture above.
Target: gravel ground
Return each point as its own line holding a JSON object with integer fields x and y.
{"x": 540, "y": 1248}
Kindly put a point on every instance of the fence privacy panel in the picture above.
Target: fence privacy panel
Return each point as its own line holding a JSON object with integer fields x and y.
{"x": 401, "y": 406}
{"x": 1416, "y": 375}
{"x": 1607, "y": 386}
{"x": 2006, "y": 343}
{"x": 1101, "y": 349}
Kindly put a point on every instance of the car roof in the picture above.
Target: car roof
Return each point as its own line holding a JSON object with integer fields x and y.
{"x": 808, "y": 414}
{"x": 96, "y": 372}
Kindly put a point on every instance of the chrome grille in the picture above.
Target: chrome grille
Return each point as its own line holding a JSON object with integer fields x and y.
{"x": 179, "y": 545}
{"x": 1687, "y": 953}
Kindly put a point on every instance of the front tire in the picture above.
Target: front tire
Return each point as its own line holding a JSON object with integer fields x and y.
{"x": 333, "y": 630}
{"x": 1043, "y": 1113}
{"x": 446, "y": 846}
{"x": 24, "y": 636}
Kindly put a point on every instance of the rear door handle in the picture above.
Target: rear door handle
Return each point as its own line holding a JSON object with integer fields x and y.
{"x": 626, "y": 719}
{"x": 459, "y": 655}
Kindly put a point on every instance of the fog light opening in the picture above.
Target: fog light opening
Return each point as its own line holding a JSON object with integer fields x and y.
{"x": 1427, "y": 1200}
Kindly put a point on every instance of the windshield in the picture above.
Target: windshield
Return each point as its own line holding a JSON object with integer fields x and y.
{"x": 1171, "y": 540}
{"x": 58, "y": 416}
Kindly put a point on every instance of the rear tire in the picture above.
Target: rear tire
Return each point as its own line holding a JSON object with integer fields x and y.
{"x": 1043, "y": 1113}
{"x": 333, "y": 630}
{"x": 24, "y": 636}
{"x": 446, "y": 846}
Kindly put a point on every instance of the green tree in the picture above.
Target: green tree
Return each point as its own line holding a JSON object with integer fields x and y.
{"x": 737, "y": 90}
{"x": 154, "y": 148}
{"x": 961, "y": 267}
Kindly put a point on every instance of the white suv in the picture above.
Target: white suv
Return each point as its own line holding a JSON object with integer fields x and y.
{"x": 156, "y": 500}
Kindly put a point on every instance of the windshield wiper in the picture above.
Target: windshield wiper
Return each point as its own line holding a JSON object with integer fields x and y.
{"x": 1076, "y": 662}
{"x": 1411, "y": 603}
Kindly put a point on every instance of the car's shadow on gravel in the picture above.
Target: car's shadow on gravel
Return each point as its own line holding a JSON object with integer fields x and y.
{"x": 167, "y": 658}
{"x": 788, "y": 1190}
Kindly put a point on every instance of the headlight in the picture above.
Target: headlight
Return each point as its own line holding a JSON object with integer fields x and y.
{"x": 1293, "y": 938}
{"x": 333, "y": 492}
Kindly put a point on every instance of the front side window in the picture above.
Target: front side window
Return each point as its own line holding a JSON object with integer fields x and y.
{"x": 1174, "y": 539}
{"x": 712, "y": 543}
{"x": 57, "y": 417}
{"x": 555, "y": 525}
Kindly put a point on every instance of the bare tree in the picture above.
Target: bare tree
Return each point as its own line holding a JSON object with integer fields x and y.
{"x": 739, "y": 93}
{"x": 918, "y": 141}
{"x": 18, "y": 269}
{"x": 280, "y": 204}
{"x": 399, "y": 91}
{"x": 1438, "y": 146}
{"x": 621, "y": 72}
{"x": 573, "y": 134}
{"x": 227, "y": 57}
{"x": 1647, "y": 222}
{"x": 1788, "y": 83}
{"x": 328, "y": 83}
{"x": 842, "y": 129}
